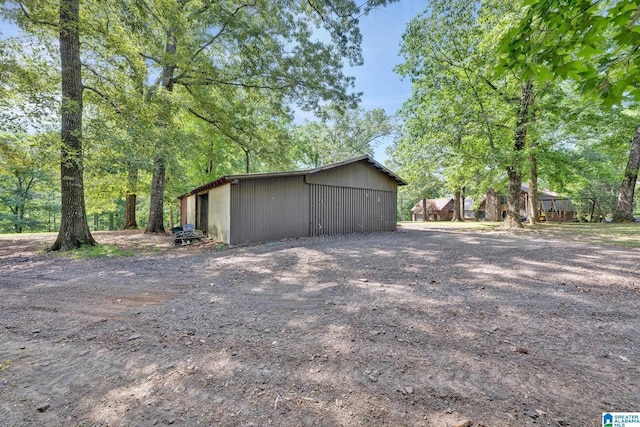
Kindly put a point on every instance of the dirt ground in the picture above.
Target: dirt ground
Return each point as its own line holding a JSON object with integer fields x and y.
{"x": 414, "y": 328}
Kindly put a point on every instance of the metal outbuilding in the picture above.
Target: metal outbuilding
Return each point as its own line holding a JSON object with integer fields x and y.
{"x": 354, "y": 196}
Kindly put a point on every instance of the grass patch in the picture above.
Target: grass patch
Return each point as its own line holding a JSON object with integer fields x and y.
{"x": 99, "y": 251}
{"x": 4, "y": 365}
{"x": 627, "y": 234}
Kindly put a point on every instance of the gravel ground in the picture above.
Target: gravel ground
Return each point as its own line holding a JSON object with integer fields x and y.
{"x": 414, "y": 328}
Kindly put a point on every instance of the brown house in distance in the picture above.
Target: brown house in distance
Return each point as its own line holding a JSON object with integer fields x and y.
{"x": 440, "y": 209}
{"x": 493, "y": 207}
{"x": 551, "y": 206}
{"x": 357, "y": 195}
{"x": 437, "y": 210}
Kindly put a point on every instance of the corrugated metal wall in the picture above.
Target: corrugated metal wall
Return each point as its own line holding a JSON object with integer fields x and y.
{"x": 340, "y": 210}
{"x": 269, "y": 209}
{"x": 354, "y": 198}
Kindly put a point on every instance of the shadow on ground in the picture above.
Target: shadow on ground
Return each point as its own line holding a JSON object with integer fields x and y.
{"x": 415, "y": 328}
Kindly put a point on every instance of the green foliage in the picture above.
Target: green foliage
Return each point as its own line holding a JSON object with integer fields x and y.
{"x": 28, "y": 90}
{"x": 458, "y": 124}
{"x": 339, "y": 134}
{"x": 590, "y": 147}
{"x": 26, "y": 183}
{"x": 594, "y": 44}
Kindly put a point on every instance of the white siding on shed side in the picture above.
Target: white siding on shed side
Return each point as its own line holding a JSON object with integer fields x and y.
{"x": 191, "y": 210}
{"x": 219, "y": 218}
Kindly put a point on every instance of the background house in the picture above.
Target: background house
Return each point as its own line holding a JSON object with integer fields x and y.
{"x": 357, "y": 195}
{"x": 493, "y": 207}
{"x": 436, "y": 209}
{"x": 440, "y": 209}
{"x": 554, "y": 206}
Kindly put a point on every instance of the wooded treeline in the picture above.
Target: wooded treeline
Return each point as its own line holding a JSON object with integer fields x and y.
{"x": 505, "y": 93}
{"x": 151, "y": 98}
{"x": 110, "y": 110}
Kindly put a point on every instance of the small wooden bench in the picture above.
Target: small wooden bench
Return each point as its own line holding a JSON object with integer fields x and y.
{"x": 186, "y": 235}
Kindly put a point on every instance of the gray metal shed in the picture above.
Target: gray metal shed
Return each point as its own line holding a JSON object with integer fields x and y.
{"x": 354, "y": 196}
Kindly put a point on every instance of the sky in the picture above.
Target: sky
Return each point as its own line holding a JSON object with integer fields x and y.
{"x": 382, "y": 88}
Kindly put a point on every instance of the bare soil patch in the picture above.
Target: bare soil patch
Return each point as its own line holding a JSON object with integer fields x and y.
{"x": 414, "y": 328}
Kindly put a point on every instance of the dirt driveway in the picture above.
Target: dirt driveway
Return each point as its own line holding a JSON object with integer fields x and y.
{"x": 415, "y": 328}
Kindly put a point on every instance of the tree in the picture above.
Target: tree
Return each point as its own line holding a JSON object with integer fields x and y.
{"x": 594, "y": 44}
{"x": 24, "y": 175}
{"x": 624, "y": 209}
{"x": 259, "y": 127}
{"x": 220, "y": 50}
{"x": 74, "y": 230}
{"x": 340, "y": 134}
{"x": 450, "y": 56}
{"x": 41, "y": 17}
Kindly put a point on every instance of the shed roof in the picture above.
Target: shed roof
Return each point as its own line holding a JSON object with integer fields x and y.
{"x": 231, "y": 178}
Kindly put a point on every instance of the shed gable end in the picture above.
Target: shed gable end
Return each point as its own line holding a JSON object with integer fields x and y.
{"x": 354, "y": 175}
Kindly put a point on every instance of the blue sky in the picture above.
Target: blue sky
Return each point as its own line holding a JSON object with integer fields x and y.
{"x": 382, "y": 32}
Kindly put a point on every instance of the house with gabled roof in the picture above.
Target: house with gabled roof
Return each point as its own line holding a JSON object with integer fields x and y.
{"x": 440, "y": 209}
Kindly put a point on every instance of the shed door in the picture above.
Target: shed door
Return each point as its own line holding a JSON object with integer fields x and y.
{"x": 202, "y": 212}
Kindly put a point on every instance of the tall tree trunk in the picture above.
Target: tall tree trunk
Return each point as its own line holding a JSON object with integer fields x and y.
{"x": 130, "y": 200}
{"x": 533, "y": 186}
{"x": 624, "y": 209}
{"x": 462, "y": 197}
{"x": 512, "y": 219}
{"x": 424, "y": 209}
{"x": 156, "y": 208}
{"x": 74, "y": 229}
{"x": 514, "y": 173}
{"x": 18, "y": 225}
{"x": 130, "y": 212}
{"x": 456, "y": 206}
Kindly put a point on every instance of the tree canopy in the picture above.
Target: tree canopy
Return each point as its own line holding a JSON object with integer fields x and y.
{"x": 138, "y": 102}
